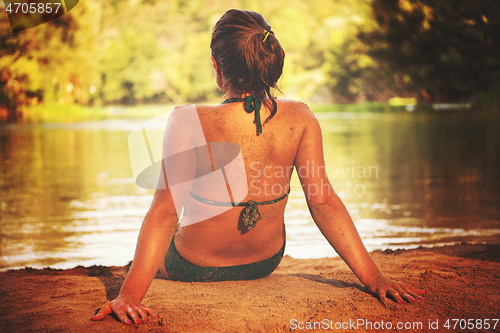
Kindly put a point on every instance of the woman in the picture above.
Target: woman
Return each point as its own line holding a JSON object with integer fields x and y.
{"x": 233, "y": 229}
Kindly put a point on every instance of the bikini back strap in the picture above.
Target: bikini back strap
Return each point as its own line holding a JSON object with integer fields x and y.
{"x": 250, "y": 214}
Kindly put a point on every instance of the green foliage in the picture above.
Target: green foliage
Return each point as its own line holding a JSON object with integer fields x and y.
{"x": 150, "y": 51}
{"x": 50, "y": 62}
{"x": 439, "y": 50}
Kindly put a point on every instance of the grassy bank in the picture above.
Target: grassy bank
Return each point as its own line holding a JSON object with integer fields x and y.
{"x": 57, "y": 113}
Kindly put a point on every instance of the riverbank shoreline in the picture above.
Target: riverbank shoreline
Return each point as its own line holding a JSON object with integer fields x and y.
{"x": 301, "y": 295}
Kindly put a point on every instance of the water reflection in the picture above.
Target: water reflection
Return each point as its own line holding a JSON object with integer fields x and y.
{"x": 434, "y": 178}
{"x": 64, "y": 188}
{"x": 68, "y": 197}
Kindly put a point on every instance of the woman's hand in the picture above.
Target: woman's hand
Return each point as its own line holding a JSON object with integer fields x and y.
{"x": 399, "y": 292}
{"x": 127, "y": 309}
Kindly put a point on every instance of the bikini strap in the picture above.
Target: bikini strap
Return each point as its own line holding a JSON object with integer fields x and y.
{"x": 251, "y": 103}
{"x": 250, "y": 214}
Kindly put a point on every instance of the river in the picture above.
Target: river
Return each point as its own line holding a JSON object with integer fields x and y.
{"x": 68, "y": 196}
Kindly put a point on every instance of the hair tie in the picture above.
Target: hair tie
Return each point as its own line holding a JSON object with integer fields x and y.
{"x": 267, "y": 34}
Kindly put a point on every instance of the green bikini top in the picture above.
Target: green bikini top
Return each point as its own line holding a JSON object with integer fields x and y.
{"x": 250, "y": 214}
{"x": 251, "y": 103}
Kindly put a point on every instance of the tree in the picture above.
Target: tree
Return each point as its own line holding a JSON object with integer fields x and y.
{"x": 439, "y": 50}
{"x": 52, "y": 61}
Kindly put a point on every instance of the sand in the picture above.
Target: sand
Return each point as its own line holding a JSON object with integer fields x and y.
{"x": 314, "y": 295}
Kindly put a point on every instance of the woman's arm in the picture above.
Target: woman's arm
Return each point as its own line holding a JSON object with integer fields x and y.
{"x": 161, "y": 220}
{"x": 334, "y": 221}
{"x": 154, "y": 238}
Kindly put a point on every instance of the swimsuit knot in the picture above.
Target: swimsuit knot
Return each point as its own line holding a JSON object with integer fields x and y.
{"x": 251, "y": 104}
{"x": 250, "y": 214}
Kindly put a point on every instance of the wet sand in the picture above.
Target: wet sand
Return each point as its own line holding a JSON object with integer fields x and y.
{"x": 320, "y": 295}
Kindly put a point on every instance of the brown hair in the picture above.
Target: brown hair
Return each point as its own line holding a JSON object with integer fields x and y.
{"x": 250, "y": 62}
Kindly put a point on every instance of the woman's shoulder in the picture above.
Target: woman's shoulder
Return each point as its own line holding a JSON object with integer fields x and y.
{"x": 296, "y": 109}
{"x": 292, "y": 103}
{"x": 183, "y": 114}
{"x": 292, "y": 109}
{"x": 182, "y": 110}
{"x": 201, "y": 109}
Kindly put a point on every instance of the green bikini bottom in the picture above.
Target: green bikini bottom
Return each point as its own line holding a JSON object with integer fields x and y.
{"x": 179, "y": 269}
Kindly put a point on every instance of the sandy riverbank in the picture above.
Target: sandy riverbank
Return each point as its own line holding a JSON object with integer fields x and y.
{"x": 461, "y": 283}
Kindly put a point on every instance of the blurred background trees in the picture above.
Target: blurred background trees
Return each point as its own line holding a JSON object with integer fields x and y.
{"x": 149, "y": 51}
{"x": 51, "y": 62}
{"x": 439, "y": 50}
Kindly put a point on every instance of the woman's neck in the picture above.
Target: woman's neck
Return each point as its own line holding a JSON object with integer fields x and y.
{"x": 236, "y": 95}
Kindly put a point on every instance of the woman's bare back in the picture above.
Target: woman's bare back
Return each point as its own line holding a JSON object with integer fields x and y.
{"x": 268, "y": 161}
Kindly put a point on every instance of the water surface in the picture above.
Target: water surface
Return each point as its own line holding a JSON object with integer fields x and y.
{"x": 68, "y": 197}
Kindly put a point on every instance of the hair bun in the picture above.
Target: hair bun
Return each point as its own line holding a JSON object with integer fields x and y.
{"x": 250, "y": 60}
